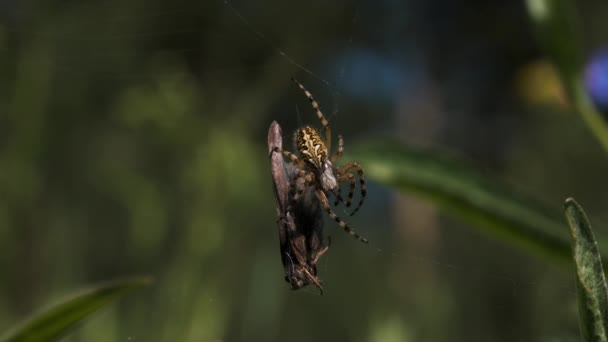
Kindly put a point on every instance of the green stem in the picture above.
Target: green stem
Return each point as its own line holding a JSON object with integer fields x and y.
{"x": 591, "y": 116}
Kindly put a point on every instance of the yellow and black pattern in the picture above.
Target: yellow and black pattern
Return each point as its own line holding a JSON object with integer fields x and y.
{"x": 315, "y": 106}
{"x": 317, "y": 170}
{"x": 310, "y": 146}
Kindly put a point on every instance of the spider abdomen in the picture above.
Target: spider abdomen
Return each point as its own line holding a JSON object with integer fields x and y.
{"x": 311, "y": 147}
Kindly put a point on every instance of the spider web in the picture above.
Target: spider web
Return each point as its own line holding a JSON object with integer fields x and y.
{"x": 416, "y": 284}
{"x": 510, "y": 285}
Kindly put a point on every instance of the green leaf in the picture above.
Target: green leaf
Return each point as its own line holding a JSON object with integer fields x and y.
{"x": 591, "y": 283}
{"x": 492, "y": 207}
{"x": 55, "y": 321}
{"x": 558, "y": 30}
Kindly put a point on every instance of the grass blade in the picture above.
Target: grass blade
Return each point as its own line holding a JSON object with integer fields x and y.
{"x": 55, "y": 321}
{"x": 590, "y": 280}
{"x": 458, "y": 189}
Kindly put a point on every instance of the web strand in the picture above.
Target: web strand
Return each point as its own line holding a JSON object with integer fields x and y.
{"x": 278, "y": 50}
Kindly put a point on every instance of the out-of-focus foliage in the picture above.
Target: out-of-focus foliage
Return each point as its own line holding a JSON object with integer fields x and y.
{"x": 556, "y": 21}
{"x": 54, "y": 322}
{"x": 132, "y": 140}
{"x": 487, "y": 203}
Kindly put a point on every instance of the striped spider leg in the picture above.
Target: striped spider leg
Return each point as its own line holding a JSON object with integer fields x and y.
{"x": 344, "y": 175}
{"x": 304, "y": 180}
{"x": 317, "y": 170}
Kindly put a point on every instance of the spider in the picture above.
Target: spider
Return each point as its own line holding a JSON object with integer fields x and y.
{"x": 316, "y": 169}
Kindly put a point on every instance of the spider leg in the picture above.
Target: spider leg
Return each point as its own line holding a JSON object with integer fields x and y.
{"x": 325, "y": 203}
{"x": 315, "y": 106}
{"x": 351, "y": 193}
{"x": 334, "y": 159}
{"x": 346, "y": 170}
{"x": 301, "y": 181}
{"x": 295, "y": 183}
{"x": 322, "y": 251}
{"x": 338, "y": 194}
{"x": 338, "y": 154}
{"x": 314, "y": 280}
{"x": 299, "y": 162}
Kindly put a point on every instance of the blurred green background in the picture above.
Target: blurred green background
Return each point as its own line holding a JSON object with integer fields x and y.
{"x": 133, "y": 141}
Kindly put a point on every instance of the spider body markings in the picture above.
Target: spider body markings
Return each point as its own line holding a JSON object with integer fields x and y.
{"x": 314, "y": 152}
{"x": 317, "y": 169}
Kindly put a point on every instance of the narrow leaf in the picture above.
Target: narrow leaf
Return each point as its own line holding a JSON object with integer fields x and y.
{"x": 55, "y": 321}
{"x": 591, "y": 283}
{"x": 491, "y": 206}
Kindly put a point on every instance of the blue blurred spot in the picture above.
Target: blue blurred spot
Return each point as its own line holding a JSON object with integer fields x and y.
{"x": 367, "y": 75}
{"x": 596, "y": 79}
